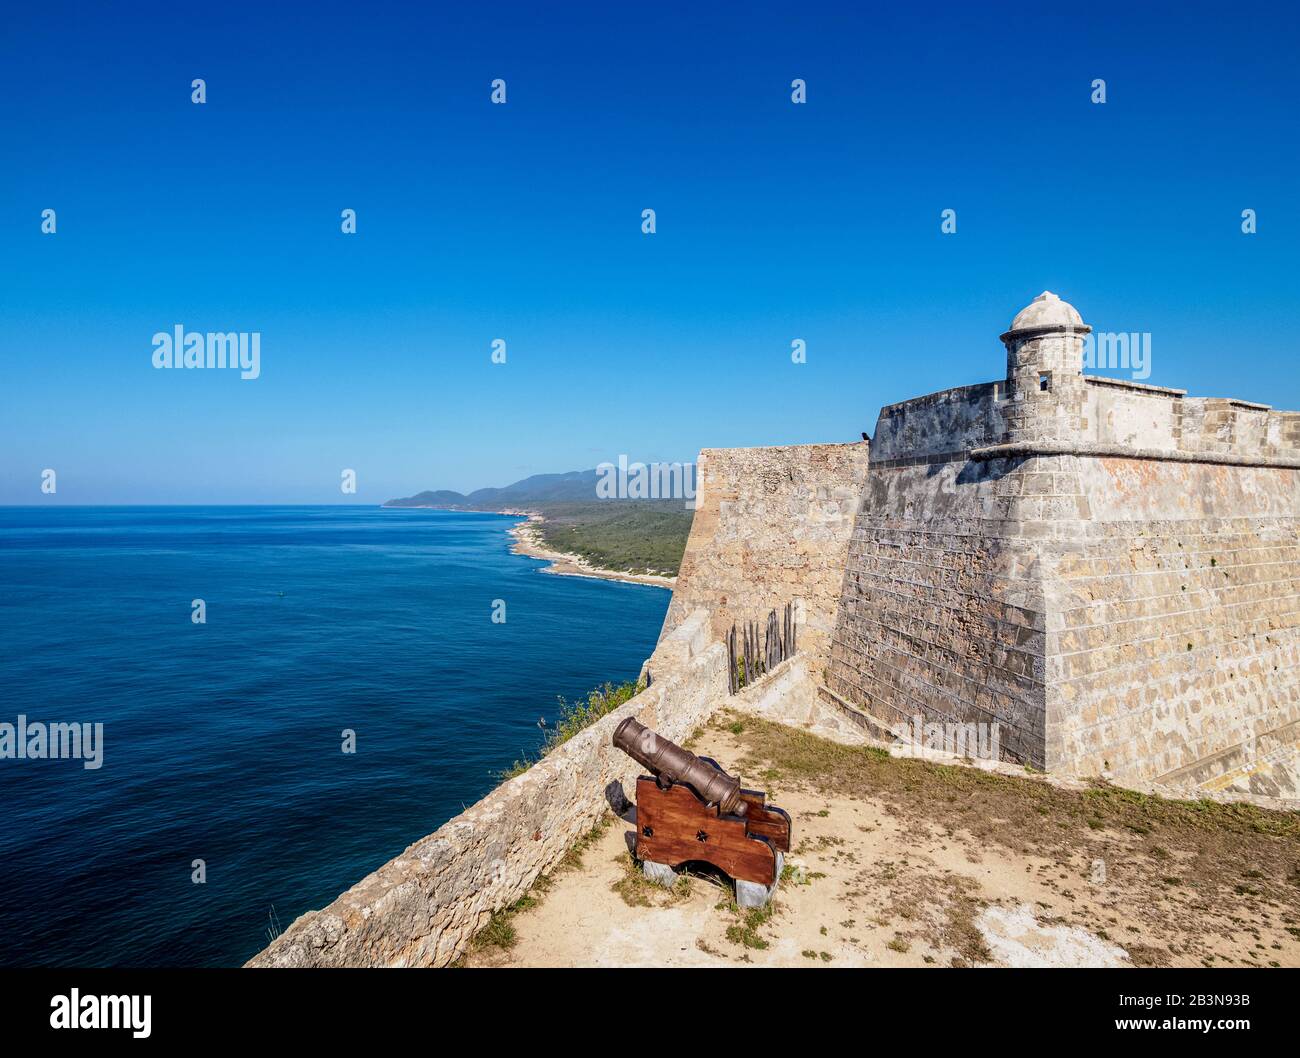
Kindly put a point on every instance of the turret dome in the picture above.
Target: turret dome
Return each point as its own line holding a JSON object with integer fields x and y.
{"x": 1047, "y": 311}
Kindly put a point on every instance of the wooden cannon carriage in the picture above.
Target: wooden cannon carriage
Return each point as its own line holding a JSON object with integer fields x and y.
{"x": 691, "y": 810}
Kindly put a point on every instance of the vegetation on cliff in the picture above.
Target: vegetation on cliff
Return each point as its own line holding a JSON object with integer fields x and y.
{"x": 575, "y": 716}
{"x": 632, "y": 536}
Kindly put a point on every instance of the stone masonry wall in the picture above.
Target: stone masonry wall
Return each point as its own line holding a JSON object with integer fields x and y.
{"x": 771, "y": 526}
{"x": 943, "y": 614}
{"x": 940, "y": 424}
{"x": 1155, "y": 418}
{"x": 1174, "y": 613}
{"x": 1121, "y": 615}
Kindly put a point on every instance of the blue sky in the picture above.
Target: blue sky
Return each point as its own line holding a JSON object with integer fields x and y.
{"x": 475, "y": 221}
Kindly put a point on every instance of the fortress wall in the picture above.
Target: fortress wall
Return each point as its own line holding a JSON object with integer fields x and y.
{"x": 771, "y": 526}
{"x": 1118, "y": 412}
{"x": 1229, "y": 427}
{"x": 940, "y": 423}
{"x": 1174, "y": 613}
{"x": 1153, "y": 417}
{"x": 425, "y": 906}
{"x": 1284, "y": 433}
{"x": 1058, "y": 596}
{"x": 942, "y": 612}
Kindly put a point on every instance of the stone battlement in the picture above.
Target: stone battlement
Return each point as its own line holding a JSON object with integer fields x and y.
{"x": 1046, "y": 399}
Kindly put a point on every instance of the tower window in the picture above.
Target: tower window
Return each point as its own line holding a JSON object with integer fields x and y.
{"x": 1045, "y": 381}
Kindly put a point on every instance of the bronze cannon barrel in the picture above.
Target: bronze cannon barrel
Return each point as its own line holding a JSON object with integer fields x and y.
{"x": 669, "y": 761}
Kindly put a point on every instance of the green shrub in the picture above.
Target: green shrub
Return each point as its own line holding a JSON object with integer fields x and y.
{"x": 575, "y": 716}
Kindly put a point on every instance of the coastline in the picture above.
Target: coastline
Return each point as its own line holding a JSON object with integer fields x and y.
{"x": 528, "y": 542}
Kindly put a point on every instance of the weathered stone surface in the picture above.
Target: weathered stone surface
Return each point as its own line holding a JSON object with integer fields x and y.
{"x": 754, "y": 894}
{"x": 771, "y": 526}
{"x": 943, "y": 613}
{"x": 659, "y": 873}
{"x": 1178, "y": 600}
{"x": 1048, "y": 310}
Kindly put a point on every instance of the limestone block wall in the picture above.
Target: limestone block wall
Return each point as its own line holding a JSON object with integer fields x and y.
{"x": 771, "y": 526}
{"x": 1132, "y": 413}
{"x": 1130, "y": 615}
{"x": 423, "y": 908}
{"x": 1237, "y": 427}
{"x": 1173, "y": 613}
{"x": 1155, "y": 418}
{"x": 943, "y": 613}
{"x": 1106, "y": 569}
{"x": 1114, "y": 412}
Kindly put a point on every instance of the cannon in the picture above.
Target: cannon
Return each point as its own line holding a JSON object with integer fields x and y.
{"x": 671, "y": 764}
{"x": 692, "y": 810}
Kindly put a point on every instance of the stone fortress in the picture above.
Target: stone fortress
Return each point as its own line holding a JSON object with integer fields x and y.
{"x": 1108, "y": 571}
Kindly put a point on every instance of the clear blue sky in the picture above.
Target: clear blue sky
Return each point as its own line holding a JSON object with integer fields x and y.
{"x": 523, "y": 222}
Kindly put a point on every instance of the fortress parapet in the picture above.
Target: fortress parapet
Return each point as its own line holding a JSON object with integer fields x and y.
{"x": 1047, "y": 405}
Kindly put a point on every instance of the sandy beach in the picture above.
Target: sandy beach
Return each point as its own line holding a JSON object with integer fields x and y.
{"x": 528, "y": 541}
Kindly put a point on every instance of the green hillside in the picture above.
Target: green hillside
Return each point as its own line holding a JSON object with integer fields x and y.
{"x": 634, "y": 536}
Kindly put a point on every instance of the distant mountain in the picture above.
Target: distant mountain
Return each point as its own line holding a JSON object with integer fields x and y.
{"x": 636, "y": 536}
{"x": 576, "y": 486}
{"x": 441, "y": 498}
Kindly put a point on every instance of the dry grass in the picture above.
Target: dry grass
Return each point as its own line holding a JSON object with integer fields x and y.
{"x": 636, "y": 890}
{"x": 1253, "y": 851}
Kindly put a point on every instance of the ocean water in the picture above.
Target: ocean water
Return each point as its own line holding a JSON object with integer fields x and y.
{"x": 222, "y": 741}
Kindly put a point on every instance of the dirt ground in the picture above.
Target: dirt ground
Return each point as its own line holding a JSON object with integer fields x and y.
{"x": 902, "y": 862}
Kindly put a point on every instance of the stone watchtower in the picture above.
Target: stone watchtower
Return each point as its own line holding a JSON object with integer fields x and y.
{"x": 1045, "y": 386}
